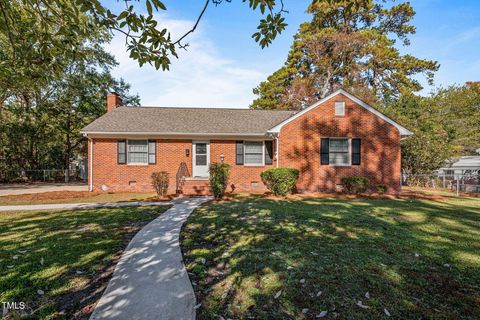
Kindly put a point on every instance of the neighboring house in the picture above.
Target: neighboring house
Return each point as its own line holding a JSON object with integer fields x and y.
{"x": 339, "y": 135}
{"x": 464, "y": 169}
{"x": 462, "y": 166}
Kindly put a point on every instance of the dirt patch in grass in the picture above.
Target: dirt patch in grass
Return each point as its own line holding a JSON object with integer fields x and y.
{"x": 77, "y": 196}
{"x": 410, "y": 194}
{"x": 159, "y": 198}
{"x": 53, "y": 195}
{"x": 80, "y": 303}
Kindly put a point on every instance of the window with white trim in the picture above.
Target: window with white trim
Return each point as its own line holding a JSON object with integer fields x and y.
{"x": 339, "y": 150}
{"x": 137, "y": 151}
{"x": 253, "y": 152}
{"x": 339, "y": 108}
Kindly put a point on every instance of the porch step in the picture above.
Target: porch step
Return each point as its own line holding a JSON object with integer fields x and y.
{"x": 196, "y": 187}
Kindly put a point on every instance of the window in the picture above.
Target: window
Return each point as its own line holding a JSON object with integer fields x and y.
{"x": 201, "y": 154}
{"x": 137, "y": 151}
{"x": 121, "y": 152}
{"x": 340, "y": 108}
{"x": 339, "y": 152}
{"x": 253, "y": 152}
{"x": 268, "y": 152}
{"x": 152, "y": 158}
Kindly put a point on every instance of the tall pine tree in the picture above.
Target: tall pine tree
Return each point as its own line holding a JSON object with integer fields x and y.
{"x": 348, "y": 44}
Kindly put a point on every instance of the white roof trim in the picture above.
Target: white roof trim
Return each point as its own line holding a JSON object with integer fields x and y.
{"x": 403, "y": 131}
{"x": 170, "y": 133}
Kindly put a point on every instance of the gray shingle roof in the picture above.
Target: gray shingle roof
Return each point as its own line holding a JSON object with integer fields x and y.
{"x": 187, "y": 120}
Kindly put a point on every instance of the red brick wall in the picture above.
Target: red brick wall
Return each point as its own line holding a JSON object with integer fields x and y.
{"x": 170, "y": 157}
{"x": 380, "y": 151}
{"x": 242, "y": 178}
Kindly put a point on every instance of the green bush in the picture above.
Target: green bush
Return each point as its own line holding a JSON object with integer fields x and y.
{"x": 381, "y": 188}
{"x": 354, "y": 184}
{"x": 160, "y": 182}
{"x": 219, "y": 174}
{"x": 281, "y": 181}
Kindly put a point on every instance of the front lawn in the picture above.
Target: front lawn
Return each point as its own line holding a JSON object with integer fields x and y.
{"x": 311, "y": 258}
{"x": 58, "y": 263}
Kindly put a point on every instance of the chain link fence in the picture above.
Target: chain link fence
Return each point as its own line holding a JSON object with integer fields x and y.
{"x": 466, "y": 182}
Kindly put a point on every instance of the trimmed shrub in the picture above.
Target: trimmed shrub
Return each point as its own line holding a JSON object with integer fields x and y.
{"x": 281, "y": 181}
{"x": 219, "y": 174}
{"x": 160, "y": 183}
{"x": 355, "y": 184}
{"x": 381, "y": 188}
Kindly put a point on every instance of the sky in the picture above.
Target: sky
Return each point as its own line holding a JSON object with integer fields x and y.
{"x": 223, "y": 63}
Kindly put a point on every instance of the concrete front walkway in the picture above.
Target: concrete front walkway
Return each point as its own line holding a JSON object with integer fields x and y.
{"x": 71, "y": 206}
{"x": 150, "y": 280}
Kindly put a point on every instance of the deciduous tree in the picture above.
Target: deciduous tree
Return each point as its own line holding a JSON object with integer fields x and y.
{"x": 43, "y": 107}
{"x": 146, "y": 39}
{"x": 445, "y": 125}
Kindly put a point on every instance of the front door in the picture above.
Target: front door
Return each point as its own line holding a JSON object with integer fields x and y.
{"x": 201, "y": 158}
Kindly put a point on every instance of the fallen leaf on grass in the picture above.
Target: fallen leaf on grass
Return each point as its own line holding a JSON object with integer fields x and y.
{"x": 386, "y": 312}
{"x": 278, "y": 294}
{"x": 361, "y": 305}
{"x": 319, "y": 293}
{"x": 321, "y": 314}
{"x": 40, "y": 292}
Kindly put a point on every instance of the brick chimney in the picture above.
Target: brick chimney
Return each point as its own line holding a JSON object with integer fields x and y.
{"x": 113, "y": 101}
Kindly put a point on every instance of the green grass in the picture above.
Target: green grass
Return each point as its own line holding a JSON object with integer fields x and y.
{"x": 241, "y": 253}
{"x": 69, "y": 255}
{"x": 72, "y": 197}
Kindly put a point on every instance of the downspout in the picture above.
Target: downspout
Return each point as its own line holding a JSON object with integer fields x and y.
{"x": 90, "y": 169}
{"x": 277, "y": 146}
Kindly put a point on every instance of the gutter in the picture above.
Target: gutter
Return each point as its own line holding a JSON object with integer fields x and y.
{"x": 86, "y": 133}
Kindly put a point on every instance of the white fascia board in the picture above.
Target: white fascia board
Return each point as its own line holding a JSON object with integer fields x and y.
{"x": 112, "y": 134}
{"x": 403, "y": 131}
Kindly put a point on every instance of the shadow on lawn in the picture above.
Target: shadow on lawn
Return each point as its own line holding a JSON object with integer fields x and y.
{"x": 256, "y": 247}
{"x": 50, "y": 247}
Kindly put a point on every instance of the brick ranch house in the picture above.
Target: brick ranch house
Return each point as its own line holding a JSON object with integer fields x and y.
{"x": 339, "y": 135}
